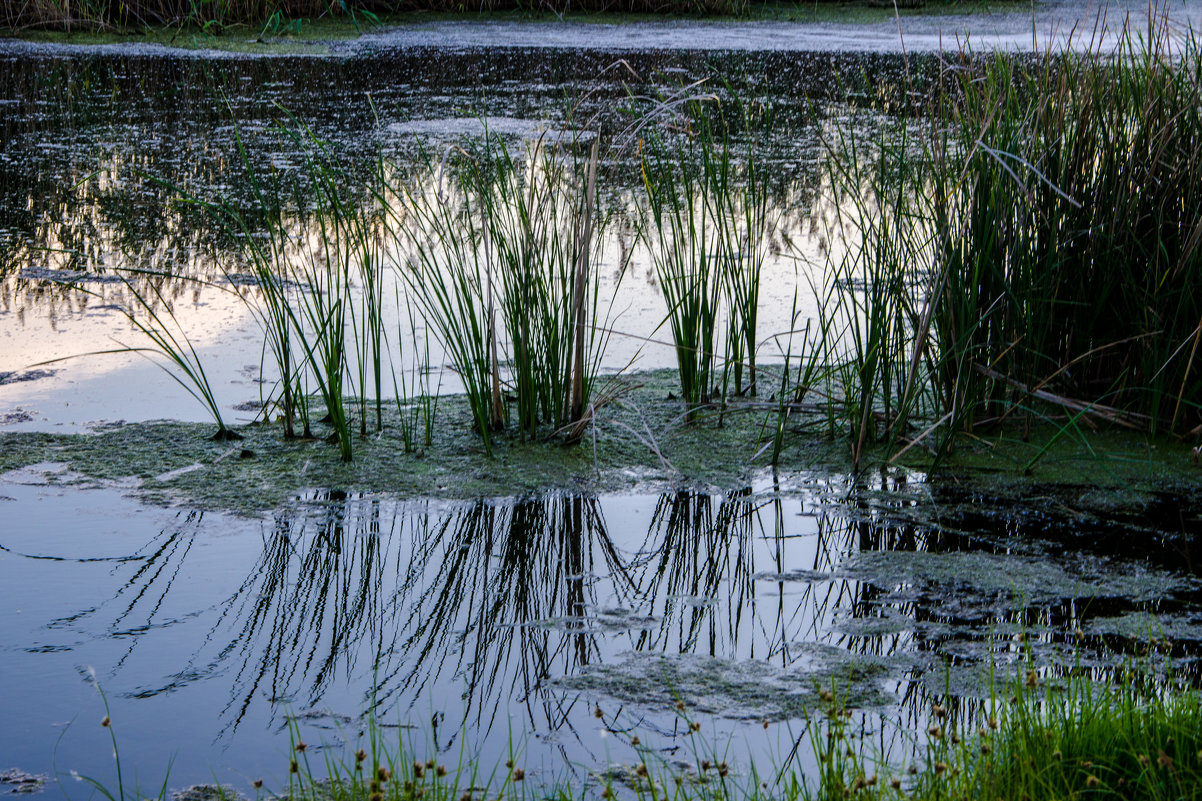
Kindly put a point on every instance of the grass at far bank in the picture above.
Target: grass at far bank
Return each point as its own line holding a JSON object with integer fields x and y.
{"x": 272, "y": 26}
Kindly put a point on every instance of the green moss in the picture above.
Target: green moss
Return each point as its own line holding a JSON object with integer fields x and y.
{"x": 639, "y": 442}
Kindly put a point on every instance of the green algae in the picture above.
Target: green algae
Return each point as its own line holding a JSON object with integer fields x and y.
{"x": 179, "y": 463}
{"x": 1146, "y": 626}
{"x": 969, "y": 580}
{"x": 638, "y": 442}
{"x": 748, "y": 690}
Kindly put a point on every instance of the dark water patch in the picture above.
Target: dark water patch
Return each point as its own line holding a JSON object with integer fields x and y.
{"x": 19, "y": 782}
{"x": 14, "y": 377}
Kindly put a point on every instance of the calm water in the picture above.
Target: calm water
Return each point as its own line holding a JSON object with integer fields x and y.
{"x": 502, "y": 622}
{"x": 506, "y": 622}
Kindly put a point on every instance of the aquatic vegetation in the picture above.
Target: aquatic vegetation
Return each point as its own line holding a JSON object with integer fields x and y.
{"x": 706, "y": 228}
{"x": 1054, "y": 196}
{"x": 487, "y": 233}
{"x": 1028, "y": 740}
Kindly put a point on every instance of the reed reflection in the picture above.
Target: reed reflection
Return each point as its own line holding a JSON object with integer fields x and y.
{"x": 483, "y": 612}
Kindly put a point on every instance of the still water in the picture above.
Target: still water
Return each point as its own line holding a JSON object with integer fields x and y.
{"x": 505, "y": 623}
{"x": 500, "y": 624}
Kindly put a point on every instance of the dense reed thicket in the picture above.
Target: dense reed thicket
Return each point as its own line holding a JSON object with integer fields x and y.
{"x": 1024, "y": 242}
{"x": 1068, "y": 220}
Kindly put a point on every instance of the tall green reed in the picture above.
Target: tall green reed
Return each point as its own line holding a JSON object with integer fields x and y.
{"x": 1070, "y": 253}
{"x": 500, "y": 254}
{"x": 871, "y": 281}
{"x": 706, "y": 228}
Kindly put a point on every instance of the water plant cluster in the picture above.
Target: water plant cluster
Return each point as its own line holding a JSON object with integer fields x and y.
{"x": 1016, "y": 245}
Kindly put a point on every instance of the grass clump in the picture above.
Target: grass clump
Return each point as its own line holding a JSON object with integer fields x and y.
{"x": 706, "y": 228}
{"x": 1025, "y": 246}
{"x": 498, "y": 253}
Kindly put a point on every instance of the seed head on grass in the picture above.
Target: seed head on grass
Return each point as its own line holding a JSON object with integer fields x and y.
{"x": 518, "y": 774}
{"x": 293, "y": 767}
{"x": 634, "y": 741}
{"x": 1092, "y": 781}
{"x": 301, "y": 747}
{"x": 105, "y": 722}
{"x": 258, "y": 784}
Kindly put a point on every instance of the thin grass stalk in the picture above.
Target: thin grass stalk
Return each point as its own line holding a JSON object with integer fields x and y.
{"x": 176, "y": 347}
{"x": 682, "y": 244}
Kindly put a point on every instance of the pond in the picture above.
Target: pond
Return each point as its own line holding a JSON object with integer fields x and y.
{"x": 554, "y": 625}
{"x": 504, "y": 624}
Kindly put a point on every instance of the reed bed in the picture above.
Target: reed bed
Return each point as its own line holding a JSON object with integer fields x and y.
{"x": 498, "y": 252}
{"x": 1024, "y": 248}
{"x": 1019, "y": 243}
{"x": 1069, "y": 229}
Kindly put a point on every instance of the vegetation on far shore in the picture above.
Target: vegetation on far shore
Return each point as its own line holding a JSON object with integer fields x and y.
{"x": 165, "y": 20}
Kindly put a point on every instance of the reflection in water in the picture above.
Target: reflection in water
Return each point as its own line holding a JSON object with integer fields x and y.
{"x": 494, "y": 602}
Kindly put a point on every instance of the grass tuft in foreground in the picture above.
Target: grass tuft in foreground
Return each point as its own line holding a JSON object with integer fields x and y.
{"x": 1133, "y": 738}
